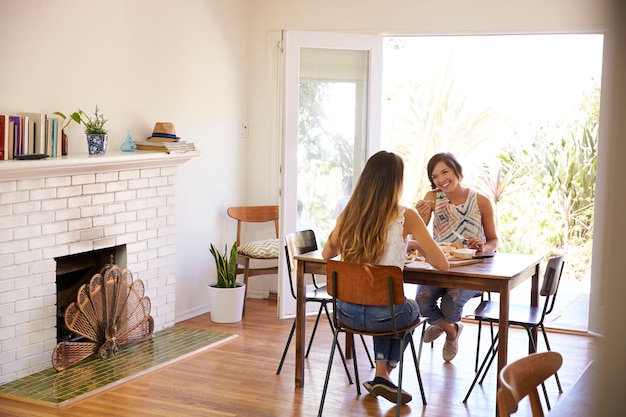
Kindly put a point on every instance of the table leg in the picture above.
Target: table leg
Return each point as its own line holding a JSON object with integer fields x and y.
{"x": 503, "y": 328}
{"x": 300, "y": 323}
{"x": 534, "y": 301}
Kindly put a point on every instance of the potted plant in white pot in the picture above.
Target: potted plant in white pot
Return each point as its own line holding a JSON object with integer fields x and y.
{"x": 94, "y": 129}
{"x": 226, "y": 296}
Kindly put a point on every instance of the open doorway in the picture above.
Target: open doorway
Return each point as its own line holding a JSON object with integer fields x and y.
{"x": 521, "y": 113}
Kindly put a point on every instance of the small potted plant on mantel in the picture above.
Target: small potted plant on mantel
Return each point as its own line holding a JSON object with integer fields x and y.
{"x": 94, "y": 129}
{"x": 226, "y": 296}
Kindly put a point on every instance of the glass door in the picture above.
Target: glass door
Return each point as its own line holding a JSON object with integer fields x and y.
{"x": 331, "y": 97}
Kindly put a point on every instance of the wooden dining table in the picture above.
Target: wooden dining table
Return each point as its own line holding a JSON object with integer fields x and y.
{"x": 500, "y": 273}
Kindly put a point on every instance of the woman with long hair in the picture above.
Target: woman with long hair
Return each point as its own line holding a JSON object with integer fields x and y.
{"x": 374, "y": 229}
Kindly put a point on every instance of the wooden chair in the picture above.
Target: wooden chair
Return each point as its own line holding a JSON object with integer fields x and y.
{"x": 302, "y": 242}
{"x": 526, "y": 316}
{"x": 376, "y": 286}
{"x": 522, "y": 378}
{"x": 265, "y": 250}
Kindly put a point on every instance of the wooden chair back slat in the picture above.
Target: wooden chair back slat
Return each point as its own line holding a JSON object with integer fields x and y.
{"x": 522, "y": 377}
{"x": 367, "y": 285}
{"x": 253, "y": 214}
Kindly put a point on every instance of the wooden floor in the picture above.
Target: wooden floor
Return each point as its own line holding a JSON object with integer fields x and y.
{"x": 238, "y": 378}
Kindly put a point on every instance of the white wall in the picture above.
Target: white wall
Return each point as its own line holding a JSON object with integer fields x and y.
{"x": 608, "y": 279}
{"x": 143, "y": 61}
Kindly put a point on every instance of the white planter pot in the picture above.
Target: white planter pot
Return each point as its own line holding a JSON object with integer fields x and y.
{"x": 226, "y": 303}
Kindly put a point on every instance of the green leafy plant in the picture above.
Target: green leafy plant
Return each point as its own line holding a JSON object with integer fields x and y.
{"x": 68, "y": 119}
{"x": 225, "y": 264}
{"x": 94, "y": 125}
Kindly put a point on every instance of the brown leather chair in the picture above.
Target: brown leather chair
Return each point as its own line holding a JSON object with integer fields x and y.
{"x": 265, "y": 251}
{"x": 376, "y": 286}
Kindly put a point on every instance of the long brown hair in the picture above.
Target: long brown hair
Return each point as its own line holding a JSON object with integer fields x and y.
{"x": 363, "y": 224}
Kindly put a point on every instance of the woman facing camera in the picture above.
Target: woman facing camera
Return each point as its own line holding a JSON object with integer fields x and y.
{"x": 456, "y": 211}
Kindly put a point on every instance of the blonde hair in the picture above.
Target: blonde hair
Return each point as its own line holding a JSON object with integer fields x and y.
{"x": 374, "y": 205}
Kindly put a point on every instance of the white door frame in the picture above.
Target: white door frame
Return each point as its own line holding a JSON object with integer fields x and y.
{"x": 290, "y": 59}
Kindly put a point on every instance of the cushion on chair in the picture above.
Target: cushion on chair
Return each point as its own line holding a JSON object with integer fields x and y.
{"x": 267, "y": 248}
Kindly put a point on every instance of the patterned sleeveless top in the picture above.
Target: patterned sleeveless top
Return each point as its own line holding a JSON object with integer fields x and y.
{"x": 464, "y": 219}
{"x": 395, "y": 246}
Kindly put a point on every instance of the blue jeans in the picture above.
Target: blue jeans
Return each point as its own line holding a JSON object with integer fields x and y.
{"x": 451, "y": 306}
{"x": 376, "y": 319}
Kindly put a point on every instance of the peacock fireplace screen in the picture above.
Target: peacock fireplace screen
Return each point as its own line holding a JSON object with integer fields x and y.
{"x": 110, "y": 311}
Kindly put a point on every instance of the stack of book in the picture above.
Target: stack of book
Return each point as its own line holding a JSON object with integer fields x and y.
{"x": 30, "y": 133}
{"x": 169, "y": 147}
{"x": 164, "y": 139}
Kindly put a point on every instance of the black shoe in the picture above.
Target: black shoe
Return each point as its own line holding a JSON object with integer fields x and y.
{"x": 389, "y": 391}
{"x": 369, "y": 386}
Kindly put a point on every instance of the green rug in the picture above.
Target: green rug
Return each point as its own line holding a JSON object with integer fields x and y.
{"x": 92, "y": 376}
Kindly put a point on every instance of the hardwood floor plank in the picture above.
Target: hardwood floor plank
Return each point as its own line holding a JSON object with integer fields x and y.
{"x": 238, "y": 378}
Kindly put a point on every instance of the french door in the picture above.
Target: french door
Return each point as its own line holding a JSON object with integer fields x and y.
{"x": 331, "y": 98}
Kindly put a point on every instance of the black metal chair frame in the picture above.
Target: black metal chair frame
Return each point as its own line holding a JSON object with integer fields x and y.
{"x": 524, "y": 316}
{"x": 318, "y": 295}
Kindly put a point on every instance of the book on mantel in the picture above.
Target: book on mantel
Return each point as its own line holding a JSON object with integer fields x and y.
{"x": 159, "y": 139}
{"x": 169, "y": 147}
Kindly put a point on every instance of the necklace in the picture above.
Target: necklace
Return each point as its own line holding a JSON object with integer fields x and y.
{"x": 459, "y": 200}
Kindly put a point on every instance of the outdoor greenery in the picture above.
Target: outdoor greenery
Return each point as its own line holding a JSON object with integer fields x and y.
{"x": 541, "y": 184}
{"x": 558, "y": 172}
{"x": 542, "y": 188}
{"x": 326, "y": 156}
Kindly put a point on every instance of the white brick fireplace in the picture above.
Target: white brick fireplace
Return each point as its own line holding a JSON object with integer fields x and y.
{"x": 64, "y": 206}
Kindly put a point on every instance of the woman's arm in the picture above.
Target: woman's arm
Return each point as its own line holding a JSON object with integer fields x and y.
{"x": 426, "y": 206}
{"x": 331, "y": 249}
{"x": 489, "y": 227}
{"x": 414, "y": 225}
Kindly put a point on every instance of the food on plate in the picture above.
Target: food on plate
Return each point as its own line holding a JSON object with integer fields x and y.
{"x": 414, "y": 256}
{"x": 464, "y": 253}
{"x": 447, "y": 248}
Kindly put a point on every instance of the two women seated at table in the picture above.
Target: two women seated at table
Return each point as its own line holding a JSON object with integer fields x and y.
{"x": 374, "y": 229}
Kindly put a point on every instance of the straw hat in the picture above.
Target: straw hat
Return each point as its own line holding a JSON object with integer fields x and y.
{"x": 164, "y": 130}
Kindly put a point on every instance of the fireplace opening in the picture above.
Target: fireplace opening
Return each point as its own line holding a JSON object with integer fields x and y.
{"x": 75, "y": 270}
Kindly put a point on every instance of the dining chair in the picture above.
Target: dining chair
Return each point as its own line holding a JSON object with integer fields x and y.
{"x": 262, "y": 251}
{"x": 298, "y": 243}
{"x": 373, "y": 285}
{"x": 526, "y": 316}
{"x": 522, "y": 378}
{"x": 480, "y": 326}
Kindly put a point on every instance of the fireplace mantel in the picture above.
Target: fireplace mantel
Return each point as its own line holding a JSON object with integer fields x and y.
{"x": 84, "y": 164}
